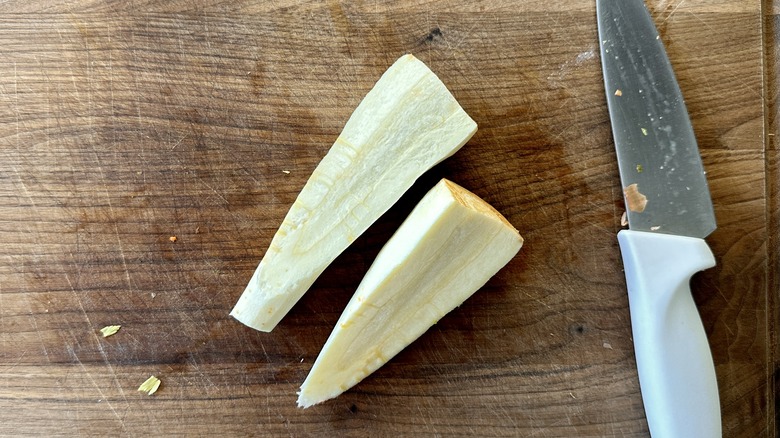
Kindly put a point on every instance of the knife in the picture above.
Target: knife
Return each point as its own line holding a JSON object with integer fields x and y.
{"x": 669, "y": 212}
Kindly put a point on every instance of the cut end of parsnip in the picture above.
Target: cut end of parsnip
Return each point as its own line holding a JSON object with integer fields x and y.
{"x": 451, "y": 244}
{"x": 404, "y": 126}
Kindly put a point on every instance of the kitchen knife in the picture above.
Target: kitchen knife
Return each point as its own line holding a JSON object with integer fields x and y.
{"x": 669, "y": 213}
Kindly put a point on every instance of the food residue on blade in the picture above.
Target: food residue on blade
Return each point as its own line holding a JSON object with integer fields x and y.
{"x": 644, "y": 131}
{"x": 639, "y": 168}
{"x": 618, "y": 92}
{"x": 635, "y": 201}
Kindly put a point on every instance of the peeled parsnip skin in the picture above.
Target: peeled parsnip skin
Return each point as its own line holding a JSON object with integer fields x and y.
{"x": 451, "y": 244}
{"x": 405, "y": 125}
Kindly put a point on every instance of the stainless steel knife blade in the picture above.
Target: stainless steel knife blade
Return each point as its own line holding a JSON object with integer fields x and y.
{"x": 655, "y": 143}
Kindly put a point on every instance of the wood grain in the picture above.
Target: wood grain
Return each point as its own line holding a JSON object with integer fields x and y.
{"x": 125, "y": 123}
{"x": 771, "y": 68}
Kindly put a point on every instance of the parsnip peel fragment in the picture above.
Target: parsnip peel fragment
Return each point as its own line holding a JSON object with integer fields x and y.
{"x": 635, "y": 200}
{"x": 150, "y": 385}
{"x": 405, "y": 125}
{"x": 110, "y": 330}
{"x": 451, "y": 244}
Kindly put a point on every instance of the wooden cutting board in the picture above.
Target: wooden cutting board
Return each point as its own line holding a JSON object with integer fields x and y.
{"x": 123, "y": 124}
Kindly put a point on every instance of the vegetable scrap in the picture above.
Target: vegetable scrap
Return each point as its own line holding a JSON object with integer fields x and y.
{"x": 635, "y": 201}
{"x": 150, "y": 386}
{"x": 110, "y": 330}
{"x": 639, "y": 168}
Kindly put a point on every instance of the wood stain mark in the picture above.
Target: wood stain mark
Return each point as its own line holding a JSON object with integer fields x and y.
{"x": 257, "y": 78}
{"x": 435, "y": 35}
{"x": 577, "y": 329}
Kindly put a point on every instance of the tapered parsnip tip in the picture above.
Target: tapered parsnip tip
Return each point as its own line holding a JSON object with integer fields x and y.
{"x": 255, "y": 310}
{"x": 304, "y": 403}
{"x": 308, "y": 398}
{"x": 247, "y": 322}
{"x": 252, "y": 323}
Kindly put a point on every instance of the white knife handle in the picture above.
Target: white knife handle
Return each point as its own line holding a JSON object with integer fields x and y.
{"x": 676, "y": 372}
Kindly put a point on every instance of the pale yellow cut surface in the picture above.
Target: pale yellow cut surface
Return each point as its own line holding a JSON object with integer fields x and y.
{"x": 451, "y": 244}
{"x": 404, "y": 126}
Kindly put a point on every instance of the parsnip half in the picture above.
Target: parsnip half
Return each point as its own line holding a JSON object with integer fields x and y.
{"x": 448, "y": 247}
{"x": 405, "y": 125}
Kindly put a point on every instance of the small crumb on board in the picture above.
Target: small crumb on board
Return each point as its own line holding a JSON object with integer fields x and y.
{"x": 150, "y": 386}
{"x": 110, "y": 330}
{"x": 173, "y": 238}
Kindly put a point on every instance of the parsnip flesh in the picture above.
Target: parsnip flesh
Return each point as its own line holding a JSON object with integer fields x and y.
{"x": 451, "y": 244}
{"x": 405, "y": 125}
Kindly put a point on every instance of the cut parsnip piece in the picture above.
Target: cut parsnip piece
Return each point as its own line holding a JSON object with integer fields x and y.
{"x": 448, "y": 247}
{"x": 404, "y": 126}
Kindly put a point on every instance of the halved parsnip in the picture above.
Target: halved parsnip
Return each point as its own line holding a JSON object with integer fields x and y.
{"x": 404, "y": 126}
{"x": 448, "y": 247}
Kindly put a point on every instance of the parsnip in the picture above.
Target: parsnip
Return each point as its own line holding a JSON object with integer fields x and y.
{"x": 448, "y": 247}
{"x": 405, "y": 125}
